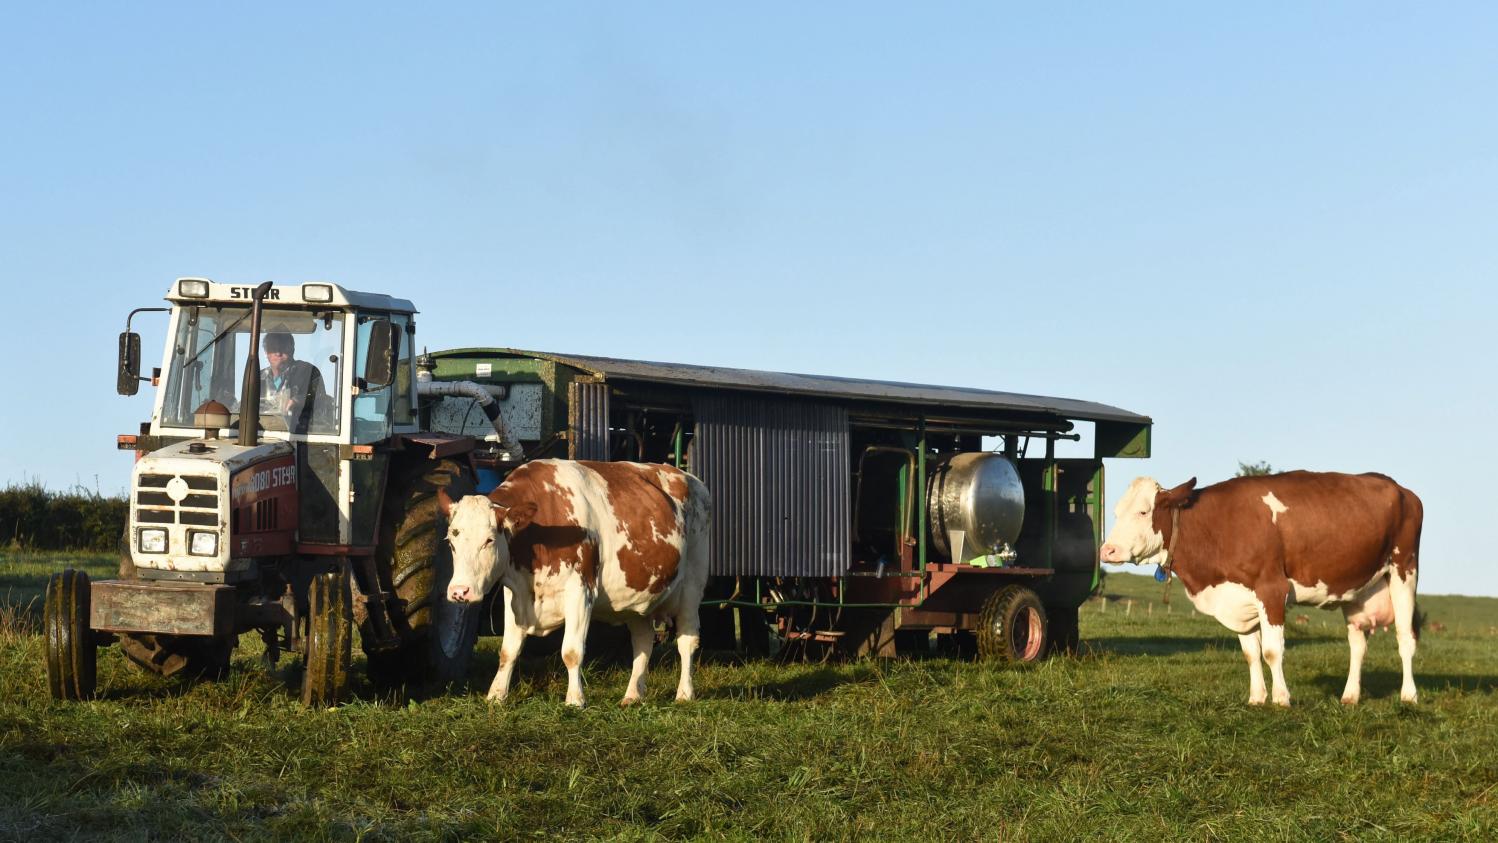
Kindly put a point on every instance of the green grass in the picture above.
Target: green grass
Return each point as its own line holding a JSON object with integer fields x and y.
{"x": 1145, "y": 737}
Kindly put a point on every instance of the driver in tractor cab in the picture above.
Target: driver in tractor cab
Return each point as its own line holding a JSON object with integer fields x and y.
{"x": 290, "y": 387}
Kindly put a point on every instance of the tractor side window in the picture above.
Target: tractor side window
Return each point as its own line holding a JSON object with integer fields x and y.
{"x": 372, "y": 404}
{"x": 403, "y": 411}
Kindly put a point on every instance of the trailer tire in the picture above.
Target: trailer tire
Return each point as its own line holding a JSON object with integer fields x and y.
{"x": 437, "y": 637}
{"x": 72, "y": 666}
{"x": 1012, "y": 626}
{"x": 329, "y": 638}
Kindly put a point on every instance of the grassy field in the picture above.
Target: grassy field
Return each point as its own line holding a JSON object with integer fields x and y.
{"x": 1144, "y": 737}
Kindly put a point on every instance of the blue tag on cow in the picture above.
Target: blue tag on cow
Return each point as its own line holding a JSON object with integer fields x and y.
{"x": 1160, "y": 574}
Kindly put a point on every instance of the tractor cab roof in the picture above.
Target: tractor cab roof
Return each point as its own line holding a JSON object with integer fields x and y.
{"x": 321, "y": 294}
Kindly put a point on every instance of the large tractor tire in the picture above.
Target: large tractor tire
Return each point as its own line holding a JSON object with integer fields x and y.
{"x": 71, "y": 651}
{"x": 437, "y": 637}
{"x": 1012, "y": 626}
{"x": 329, "y": 637}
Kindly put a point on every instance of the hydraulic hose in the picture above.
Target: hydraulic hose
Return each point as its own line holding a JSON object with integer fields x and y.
{"x": 510, "y": 449}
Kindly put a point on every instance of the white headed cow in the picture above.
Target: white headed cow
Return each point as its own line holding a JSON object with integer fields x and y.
{"x": 570, "y": 541}
{"x": 1246, "y": 548}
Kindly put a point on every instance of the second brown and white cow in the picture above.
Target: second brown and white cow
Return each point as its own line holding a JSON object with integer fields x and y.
{"x": 1246, "y": 548}
{"x": 570, "y": 541}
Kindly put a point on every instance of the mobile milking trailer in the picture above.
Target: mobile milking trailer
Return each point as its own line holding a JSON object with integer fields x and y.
{"x": 860, "y": 514}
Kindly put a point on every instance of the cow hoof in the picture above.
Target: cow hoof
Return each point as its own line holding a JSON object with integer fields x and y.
{"x": 497, "y": 699}
{"x": 684, "y": 697}
{"x": 629, "y": 701}
{"x": 1282, "y": 702}
{"x": 1255, "y": 700}
{"x": 1349, "y": 699}
{"x": 1409, "y": 698}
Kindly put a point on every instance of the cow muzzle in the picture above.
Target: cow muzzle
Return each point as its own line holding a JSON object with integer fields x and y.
{"x": 1113, "y": 553}
{"x": 462, "y": 594}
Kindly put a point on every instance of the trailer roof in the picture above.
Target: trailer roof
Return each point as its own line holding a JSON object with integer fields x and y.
{"x": 821, "y": 386}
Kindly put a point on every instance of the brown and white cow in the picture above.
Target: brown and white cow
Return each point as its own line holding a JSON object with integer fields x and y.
{"x": 1246, "y": 548}
{"x": 571, "y": 541}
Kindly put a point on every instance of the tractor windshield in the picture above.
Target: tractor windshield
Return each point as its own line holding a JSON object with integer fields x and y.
{"x": 300, "y": 367}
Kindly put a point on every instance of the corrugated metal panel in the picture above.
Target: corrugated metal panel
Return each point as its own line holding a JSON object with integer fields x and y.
{"x": 778, "y": 472}
{"x": 827, "y": 387}
{"x": 587, "y": 420}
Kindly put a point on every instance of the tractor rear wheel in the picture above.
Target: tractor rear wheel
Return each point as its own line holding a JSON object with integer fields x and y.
{"x": 1012, "y": 626}
{"x": 71, "y": 652}
{"x": 437, "y": 637}
{"x": 329, "y": 638}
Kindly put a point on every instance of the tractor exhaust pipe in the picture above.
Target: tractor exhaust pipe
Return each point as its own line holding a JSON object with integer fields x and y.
{"x": 249, "y": 401}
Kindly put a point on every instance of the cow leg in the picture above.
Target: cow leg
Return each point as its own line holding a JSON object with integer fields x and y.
{"x": 1251, "y": 653}
{"x": 1403, "y": 592}
{"x": 687, "y": 634}
{"x": 1273, "y": 636}
{"x": 642, "y": 637}
{"x": 509, "y": 652}
{"x": 1357, "y": 645}
{"x": 577, "y": 612}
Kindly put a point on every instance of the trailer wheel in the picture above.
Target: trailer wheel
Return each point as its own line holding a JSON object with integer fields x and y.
{"x": 329, "y": 638}
{"x": 1012, "y": 626}
{"x": 438, "y": 638}
{"x": 71, "y": 652}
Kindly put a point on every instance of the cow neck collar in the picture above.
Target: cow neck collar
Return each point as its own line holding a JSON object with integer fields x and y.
{"x": 1170, "y": 547}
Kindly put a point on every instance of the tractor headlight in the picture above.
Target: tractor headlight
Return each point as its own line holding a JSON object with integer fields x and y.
{"x": 202, "y": 544}
{"x": 195, "y": 288}
{"x": 319, "y": 293}
{"x": 152, "y": 540}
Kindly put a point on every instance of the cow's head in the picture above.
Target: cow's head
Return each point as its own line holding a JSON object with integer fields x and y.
{"x": 478, "y": 533}
{"x": 1142, "y": 522}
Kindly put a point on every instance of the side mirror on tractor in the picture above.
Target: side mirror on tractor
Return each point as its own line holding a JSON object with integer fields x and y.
{"x": 384, "y": 346}
{"x": 128, "y": 382}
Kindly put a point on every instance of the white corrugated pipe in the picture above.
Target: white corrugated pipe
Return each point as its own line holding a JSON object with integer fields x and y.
{"x": 509, "y": 448}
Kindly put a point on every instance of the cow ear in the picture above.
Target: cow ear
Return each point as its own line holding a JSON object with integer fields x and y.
{"x": 518, "y": 517}
{"x": 1181, "y": 496}
{"x": 444, "y": 502}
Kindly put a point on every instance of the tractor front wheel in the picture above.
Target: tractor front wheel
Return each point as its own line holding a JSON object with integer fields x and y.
{"x": 1012, "y": 626}
{"x": 71, "y": 651}
{"x": 329, "y": 638}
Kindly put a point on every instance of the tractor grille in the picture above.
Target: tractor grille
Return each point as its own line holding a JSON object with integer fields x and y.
{"x": 198, "y": 508}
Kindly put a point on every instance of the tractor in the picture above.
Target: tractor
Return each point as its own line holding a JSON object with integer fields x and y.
{"x": 298, "y": 510}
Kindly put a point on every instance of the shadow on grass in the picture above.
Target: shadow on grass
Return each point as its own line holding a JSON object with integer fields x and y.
{"x": 1378, "y": 684}
{"x": 1153, "y": 645}
{"x": 1169, "y": 645}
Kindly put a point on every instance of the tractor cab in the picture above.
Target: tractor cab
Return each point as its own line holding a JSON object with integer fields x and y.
{"x": 316, "y": 374}
{"x": 356, "y": 345}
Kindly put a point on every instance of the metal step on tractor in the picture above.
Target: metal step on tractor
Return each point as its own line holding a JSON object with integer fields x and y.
{"x": 295, "y": 497}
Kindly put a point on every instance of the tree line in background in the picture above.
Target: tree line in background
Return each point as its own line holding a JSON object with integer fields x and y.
{"x": 35, "y": 518}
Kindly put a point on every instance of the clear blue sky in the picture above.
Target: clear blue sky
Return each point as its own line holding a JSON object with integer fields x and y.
{"x": 1272, "y": 228}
